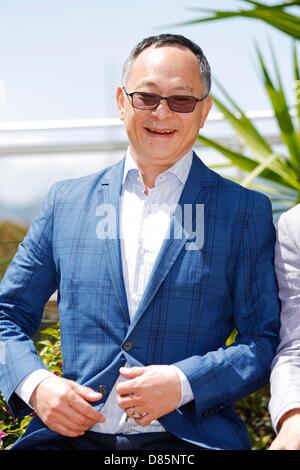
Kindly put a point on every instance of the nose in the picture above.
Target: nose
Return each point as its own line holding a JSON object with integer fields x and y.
{"x": 162, "y": 111}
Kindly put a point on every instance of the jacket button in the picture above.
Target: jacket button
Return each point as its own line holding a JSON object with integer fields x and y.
{"x": 102, "y": 389}
{"x": 127, "y": 346}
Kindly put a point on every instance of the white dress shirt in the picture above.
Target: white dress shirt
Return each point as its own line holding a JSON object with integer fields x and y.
{"x": 144, "y": 224}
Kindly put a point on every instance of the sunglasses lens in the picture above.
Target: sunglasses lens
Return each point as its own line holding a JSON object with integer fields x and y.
{"x": 177, "y": 103}
{"x": 182, "y": 104}
{"x": 145, "y": 100}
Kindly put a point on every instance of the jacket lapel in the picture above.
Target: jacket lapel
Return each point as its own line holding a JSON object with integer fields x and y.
{"x": 109, "y": 194}
{"x": 198, "y": 189}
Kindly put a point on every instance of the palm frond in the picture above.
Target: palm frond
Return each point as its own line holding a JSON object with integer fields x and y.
{"x": 280, "y": 176}
{"x": 297, "y": 83}
{"x": 275, "y": 16}
{"x": 281, "y": 109}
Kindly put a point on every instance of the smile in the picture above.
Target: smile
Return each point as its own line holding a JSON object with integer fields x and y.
{"x": 160, "y": 131}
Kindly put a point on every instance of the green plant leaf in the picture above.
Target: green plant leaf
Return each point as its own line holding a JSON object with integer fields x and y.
{"x": 297, "y": 83}
{"x": 280, "y": 19}
{"x": 281, "y": 110}
{"x": 237, "y": 159}
{"x": 259, "y": 169}
{"x": 246, "y": 131}
{"x": 279, "y": 176}
{"x": 273, "y": 7}
{"x": 250, "y": 137}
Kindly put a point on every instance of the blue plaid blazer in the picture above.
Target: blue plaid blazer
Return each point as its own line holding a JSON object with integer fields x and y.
{"x": 192, "y": 302}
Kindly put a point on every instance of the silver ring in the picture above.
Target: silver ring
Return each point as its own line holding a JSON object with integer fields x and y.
{"x": 136, "y": 414}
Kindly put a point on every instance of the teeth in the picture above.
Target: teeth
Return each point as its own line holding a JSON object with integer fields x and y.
{"x": 161, "y": 132}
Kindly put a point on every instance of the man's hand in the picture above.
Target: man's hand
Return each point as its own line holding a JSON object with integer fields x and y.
{"x": 289, "y": 436}
{"x": 153, "y": 390}
{"x": 63, "y": 406}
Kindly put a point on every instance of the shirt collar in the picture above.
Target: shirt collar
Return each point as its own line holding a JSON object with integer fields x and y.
{"x": 180, "y": 169}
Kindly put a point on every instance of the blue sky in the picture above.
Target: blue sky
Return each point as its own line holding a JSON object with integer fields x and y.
{"x": 61, "y": 59}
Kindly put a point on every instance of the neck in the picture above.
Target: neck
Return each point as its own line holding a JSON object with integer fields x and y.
{"x": 149, "y": 174}
{"x": 150, "y": 171}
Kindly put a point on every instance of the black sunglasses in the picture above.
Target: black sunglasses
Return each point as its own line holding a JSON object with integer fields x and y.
{"x": 150, "y": 101}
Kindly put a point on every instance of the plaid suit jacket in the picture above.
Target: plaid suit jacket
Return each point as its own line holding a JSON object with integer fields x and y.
{"x": 192, "y": 302}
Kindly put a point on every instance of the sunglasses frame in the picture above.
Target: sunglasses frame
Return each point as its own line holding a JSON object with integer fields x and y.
{"x": 167, "y": 98}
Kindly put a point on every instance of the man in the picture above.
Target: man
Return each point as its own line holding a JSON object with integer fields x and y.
{"x": 285, "y": 377}
{"x": 147, "y": 304}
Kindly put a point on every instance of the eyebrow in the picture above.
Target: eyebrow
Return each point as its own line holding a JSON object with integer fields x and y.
{"x": 153, "y": 84}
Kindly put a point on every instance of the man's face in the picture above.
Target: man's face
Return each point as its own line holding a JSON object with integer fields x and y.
{"x": 165, "y": 71}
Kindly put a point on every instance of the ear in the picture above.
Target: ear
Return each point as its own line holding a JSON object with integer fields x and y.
{"x": 207, "y": 105}
{"x": 120, "y": 102}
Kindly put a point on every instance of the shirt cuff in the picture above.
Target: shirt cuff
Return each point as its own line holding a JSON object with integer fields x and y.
{"x": 186, "y": 390}
{"x": 27, "y": 386}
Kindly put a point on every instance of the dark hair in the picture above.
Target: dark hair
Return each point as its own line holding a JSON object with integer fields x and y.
{"x": 170, "y": 40}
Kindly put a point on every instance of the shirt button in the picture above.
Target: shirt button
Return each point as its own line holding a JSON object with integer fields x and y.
{"x": 127, "y": 346}
{"x": 129, "y": 431}
{"x": 102, "y": 389}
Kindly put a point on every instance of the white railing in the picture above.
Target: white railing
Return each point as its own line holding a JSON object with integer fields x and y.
{"x": 36, "y": 154}
{"x": 104, "y": 122}
{"x": 23, "y": 138}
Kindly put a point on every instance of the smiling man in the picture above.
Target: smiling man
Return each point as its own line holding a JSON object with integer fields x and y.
{"x": 145, "y": 308}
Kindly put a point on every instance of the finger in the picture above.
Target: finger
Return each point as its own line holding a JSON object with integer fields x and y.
{"x": 128, "y": 401}
{"x": 84, "y": 408}
{"x": 67, "y": 423}
{"x": 63, "y": 429}
{"x": 86, "y": 392}
{"x": 145, "y": 420}
{"x": 131, "y": 372}
{"x": 130, "y": 387}
{"x": 77, "y": 418}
